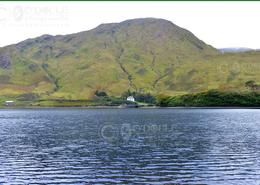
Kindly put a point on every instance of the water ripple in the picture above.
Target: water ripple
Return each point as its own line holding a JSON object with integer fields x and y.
{"x": 155, "y": 146}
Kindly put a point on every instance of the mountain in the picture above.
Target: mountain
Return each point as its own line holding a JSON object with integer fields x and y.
{"x": 235, "y": 50}
{"x": 144, "y": 55}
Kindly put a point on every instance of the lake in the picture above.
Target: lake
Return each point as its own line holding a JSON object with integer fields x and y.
{"x": 126, "y": 146}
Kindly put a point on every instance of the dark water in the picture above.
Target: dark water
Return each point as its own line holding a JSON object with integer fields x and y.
{"x": 127, "y": 146}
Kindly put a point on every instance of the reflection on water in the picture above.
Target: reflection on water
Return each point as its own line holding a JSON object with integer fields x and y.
{"x": 126, "y": 146}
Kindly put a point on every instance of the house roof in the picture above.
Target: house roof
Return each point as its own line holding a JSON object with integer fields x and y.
{"x": 9, "y": 101}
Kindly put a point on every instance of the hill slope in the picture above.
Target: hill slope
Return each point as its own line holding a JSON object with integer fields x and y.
{"x": 145, "y": 55}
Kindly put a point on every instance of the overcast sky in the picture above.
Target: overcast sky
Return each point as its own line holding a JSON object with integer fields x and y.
{"x": 220, "y": 24}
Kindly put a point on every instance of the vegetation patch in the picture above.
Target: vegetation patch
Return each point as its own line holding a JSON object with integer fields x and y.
{"x": 211, "y": 98}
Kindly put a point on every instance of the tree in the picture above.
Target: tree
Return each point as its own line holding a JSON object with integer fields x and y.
{"x": 127, "y": 93}
{"x": 251, "y": 85}
{"x": 145, "y": 97}
{"x": 100, "y": 93}
{"x": 162, "y": 100}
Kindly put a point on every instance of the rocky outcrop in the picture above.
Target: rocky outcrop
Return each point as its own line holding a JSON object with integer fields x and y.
{"x": 5, "y": 60}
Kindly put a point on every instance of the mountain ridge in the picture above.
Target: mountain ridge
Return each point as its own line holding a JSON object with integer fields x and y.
{"x": 235, "y": 49}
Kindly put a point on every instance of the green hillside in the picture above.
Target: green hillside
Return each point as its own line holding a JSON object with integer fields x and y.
{"x": 143, "y": 55}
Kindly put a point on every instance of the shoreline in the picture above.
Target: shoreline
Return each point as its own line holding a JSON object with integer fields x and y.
{"x": 117, "y": 107}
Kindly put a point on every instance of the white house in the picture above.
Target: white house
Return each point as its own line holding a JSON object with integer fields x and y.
{"x": 130, "y": 98}
{"x": 9, "y": 103}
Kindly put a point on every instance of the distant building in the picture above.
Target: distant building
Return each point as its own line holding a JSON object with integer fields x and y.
{"x": 130, "y": 98}
{"x": 9, "y": 103}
